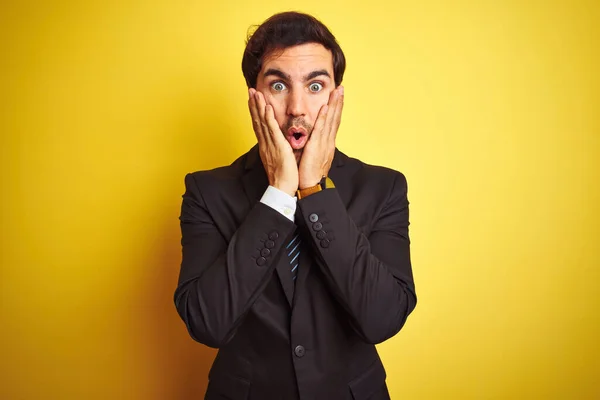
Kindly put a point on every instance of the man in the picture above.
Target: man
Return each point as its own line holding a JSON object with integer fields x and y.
{"x": 295, "y": 257}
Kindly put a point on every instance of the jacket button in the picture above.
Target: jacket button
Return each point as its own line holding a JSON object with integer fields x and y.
{"x": 260, "y": 261}
{"x": 321, "y": 234}
{"x": 313, "y": 217}
{"x": 269, "y": 244}
{"x": 274, "y": 236}
{"x": 325, "y": 243}
{"x": 299, "y": 351}
{"x": 265, "y": 252}
{"x": 317, "y": 226}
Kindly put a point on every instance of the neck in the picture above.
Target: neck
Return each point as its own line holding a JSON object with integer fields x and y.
{"x": 298, "y": 155}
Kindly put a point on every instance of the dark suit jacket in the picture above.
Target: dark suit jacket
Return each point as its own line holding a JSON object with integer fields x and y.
{"x": 315, "y": 339}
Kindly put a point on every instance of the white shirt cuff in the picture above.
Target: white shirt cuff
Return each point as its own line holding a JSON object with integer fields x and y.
{"x": 280, "y": 202}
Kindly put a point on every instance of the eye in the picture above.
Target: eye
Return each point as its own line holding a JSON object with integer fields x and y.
{"x": 315, "y": 87}
{"x": 278, "y": 86}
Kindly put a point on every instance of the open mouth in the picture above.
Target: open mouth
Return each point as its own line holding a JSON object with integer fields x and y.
{"x": 297, "y": 137}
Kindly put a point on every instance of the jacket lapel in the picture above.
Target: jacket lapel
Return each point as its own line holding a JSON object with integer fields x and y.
{"x": 341, "y": 173}
{"x": 254, "y": 180}
{"x": 255, "y": 183}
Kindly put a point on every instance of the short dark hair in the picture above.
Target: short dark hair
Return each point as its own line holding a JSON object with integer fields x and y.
{"x": 285, "y": 30}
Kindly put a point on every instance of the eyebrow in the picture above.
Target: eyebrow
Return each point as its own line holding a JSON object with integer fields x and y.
{"x": 282, "y": 75}
{"x": 314, "y": 74}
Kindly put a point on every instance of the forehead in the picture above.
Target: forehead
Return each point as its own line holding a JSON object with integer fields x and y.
{"x": 299, "y": 60}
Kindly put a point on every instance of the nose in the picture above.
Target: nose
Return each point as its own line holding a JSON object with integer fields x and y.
{"x": 296, "y": 104}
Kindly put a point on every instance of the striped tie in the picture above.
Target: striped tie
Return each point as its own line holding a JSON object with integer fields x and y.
{"x": 293, "y": 250}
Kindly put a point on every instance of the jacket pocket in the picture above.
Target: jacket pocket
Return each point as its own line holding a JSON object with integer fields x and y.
{"x": 227, "y": 387}
{"x": 370, "y": 381}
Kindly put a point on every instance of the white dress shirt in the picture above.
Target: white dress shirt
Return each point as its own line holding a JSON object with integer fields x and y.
{"x": 280, "y": 201}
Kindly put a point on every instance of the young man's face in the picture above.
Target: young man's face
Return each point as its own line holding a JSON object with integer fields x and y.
{"x": 297, "y": 82}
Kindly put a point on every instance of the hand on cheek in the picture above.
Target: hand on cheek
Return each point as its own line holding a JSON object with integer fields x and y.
{"x": 320, "y": 148}
{"x": 275, "y": 152}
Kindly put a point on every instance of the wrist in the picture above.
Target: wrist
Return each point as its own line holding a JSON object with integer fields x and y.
{"x": 324, "y": 183}
{"x": 285, "y": 187}
{"x": 307, "y": 183}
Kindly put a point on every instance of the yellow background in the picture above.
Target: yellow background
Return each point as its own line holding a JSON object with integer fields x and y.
{"x": 489, "y": 108}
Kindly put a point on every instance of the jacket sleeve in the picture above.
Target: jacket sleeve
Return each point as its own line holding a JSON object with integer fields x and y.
{"x": 220, "y": 279}
{"x": 371, "y": 277}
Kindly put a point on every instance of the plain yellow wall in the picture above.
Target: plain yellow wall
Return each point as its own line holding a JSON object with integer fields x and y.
{"x": 490, "y": 109}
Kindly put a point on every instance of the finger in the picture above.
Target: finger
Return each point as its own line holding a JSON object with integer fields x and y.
{"x": 261, "y": 106}
{"x": 260, "y": 101}
{"x": 337, "y": 118}
{"x": 273, "y": 125}
{"x": 333, "y": 102}
{"x": 321, "y": 120}
{"x": 316, "y": 138}
{"x": 256, "y": 125}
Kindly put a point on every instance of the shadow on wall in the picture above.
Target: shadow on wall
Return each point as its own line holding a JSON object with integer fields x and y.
{"x": 180, "y": 365}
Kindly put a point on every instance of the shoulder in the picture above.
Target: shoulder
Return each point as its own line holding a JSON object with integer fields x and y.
{"x": 218, "y": 176}
{"x": 371, "y": 176}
